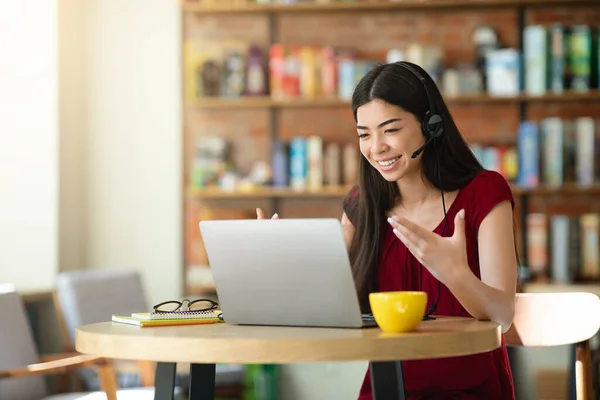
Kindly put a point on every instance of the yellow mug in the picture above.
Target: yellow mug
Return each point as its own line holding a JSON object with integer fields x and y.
{"x": 398, "y": 311}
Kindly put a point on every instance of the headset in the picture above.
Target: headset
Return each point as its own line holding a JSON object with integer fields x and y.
{"x": 432, "y": 127}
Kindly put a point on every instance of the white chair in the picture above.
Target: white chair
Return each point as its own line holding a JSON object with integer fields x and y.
{"x": 557, "y": 319}
{"x": 22, "y": 370}
{"x": 89, "y": 296}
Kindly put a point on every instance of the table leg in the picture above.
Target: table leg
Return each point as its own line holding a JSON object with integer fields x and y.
{"x": 202, "y": 382}
{"x": 387, "y": 380}
{"x": 164, "y": 381}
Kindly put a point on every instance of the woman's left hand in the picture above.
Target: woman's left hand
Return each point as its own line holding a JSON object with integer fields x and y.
{"x": 444, "y": 257}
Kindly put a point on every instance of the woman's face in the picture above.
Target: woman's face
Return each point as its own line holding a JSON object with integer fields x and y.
{"x": 388, "y": 136}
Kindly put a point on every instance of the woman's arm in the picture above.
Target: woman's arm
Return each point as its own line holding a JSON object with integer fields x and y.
{"x": 492, "y": 297}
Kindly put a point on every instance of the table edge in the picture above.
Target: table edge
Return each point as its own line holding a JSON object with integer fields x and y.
{"x": 281, "y": 350}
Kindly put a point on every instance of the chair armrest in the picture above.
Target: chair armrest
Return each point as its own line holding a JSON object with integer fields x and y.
{"x": 58, "y": 356}
{"x": 55, "y": 366}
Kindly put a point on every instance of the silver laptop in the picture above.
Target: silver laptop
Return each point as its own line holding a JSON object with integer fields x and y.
{"x": 292, "y": 272}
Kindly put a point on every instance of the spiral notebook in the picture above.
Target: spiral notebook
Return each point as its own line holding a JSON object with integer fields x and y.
{"x": 163, "y": 322}
{"x": 151, "y": 316}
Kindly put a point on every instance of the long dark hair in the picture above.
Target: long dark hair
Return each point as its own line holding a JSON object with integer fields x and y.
{"x": 397, "y": 85}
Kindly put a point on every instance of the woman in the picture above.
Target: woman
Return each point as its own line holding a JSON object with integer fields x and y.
{"x": 426, "y": 216}
{"x": 431, "y": 220}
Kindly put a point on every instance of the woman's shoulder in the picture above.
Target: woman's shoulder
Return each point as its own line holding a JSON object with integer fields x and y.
{"x": 489, "y": 179}
{"x": 350, "y": 203}
{"x": 484, "y": 192}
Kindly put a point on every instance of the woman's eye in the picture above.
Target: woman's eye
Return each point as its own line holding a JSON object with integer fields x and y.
{"x": 391, "y": 130}
{"x": 363, "y": 135}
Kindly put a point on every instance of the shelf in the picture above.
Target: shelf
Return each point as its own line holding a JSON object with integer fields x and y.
{"x": 341, "y": 191}
{"x": 267, "y": 192}
{"x": 405, "y": 5}
{"x": 569, "y": 189}
{"x": 300, "y": 102}
{"x": 561, "y": 287}
{"x": 266, "y": 101}
{"x": 563, "y": 97}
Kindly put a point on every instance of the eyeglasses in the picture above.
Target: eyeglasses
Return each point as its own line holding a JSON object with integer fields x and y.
{"x": 187, "y": 305}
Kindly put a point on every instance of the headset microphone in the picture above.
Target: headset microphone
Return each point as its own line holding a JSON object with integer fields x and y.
{"x": 420, "y": 149}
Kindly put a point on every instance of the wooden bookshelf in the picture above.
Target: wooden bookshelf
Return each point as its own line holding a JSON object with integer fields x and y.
{"x": 340, "y": 191}
{"x": 568, "y": 189}
{"x": 406, "y": 5}
{"x": 266, "y": 101}
{"x": 267, "y": 193}
{"x": 253, "y": 123}
{"x": 319, "y": 102}
{"x": 563, "y": 97}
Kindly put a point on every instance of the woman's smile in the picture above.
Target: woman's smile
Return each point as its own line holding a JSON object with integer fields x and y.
{"x": 388, "y": 164}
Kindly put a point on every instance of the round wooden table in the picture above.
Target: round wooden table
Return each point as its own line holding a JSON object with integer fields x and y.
{"x": 203, "y": 346}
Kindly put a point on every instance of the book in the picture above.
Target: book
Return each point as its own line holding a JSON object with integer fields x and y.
{"x": 580, "y": 58}
{"x": 535, "y": 59}
{"x": 123, "y": 319}
{"x": 552, "y": 144}
{"x": 528, "y": 154}
{"x": 211, "y": 314}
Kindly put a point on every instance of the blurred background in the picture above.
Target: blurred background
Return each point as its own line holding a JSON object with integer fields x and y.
{"x": 123, "y": 124}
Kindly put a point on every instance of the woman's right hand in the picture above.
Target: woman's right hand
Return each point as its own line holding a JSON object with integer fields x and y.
{"x": 261, "y": 215}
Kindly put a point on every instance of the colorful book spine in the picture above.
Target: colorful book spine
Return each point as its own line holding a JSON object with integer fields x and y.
{"x": 597, "y": 47}
{"x": 314, "y": 154}
{"x": 280, "y": 163}
{"x": 590, "y": 267}
{"x": 553, "y": 151}
{"x": 560, "y": 249}
{"x": 535, "y": 59}
{"x": 350, "y": 160}
{"x": 276, "y": 70}
{"x": 528, "y": 154}
{"x": 584, "y": 127}
{"x": 569, "y": 151}
{"x": 346, "y": 73}
{"x": 537, "y": 245}
{"x": 558, "y": 47}
{"x": 332, "y": 164}
{"x": 298, "y": 163}
{"x": 580, "y": 57}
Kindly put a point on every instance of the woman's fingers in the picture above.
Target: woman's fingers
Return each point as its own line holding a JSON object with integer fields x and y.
{"x": 261, "y": 215}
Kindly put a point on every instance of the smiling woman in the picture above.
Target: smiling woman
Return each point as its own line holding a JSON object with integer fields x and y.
{"x": 426, "y": 216}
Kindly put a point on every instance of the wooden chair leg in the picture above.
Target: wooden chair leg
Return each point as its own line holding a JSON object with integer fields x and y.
{"x": 147, "y": 372}
{"x": 108, "y": 380}
{"x": 583, "y": 371}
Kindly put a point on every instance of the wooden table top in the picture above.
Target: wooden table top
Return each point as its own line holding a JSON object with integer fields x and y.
{"x": 225, "y": 343}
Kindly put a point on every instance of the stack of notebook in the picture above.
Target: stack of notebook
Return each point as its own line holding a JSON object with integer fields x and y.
{"x": 172, "y": 318}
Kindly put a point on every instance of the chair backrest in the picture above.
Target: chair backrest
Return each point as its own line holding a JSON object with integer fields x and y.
{"x": 89, "y": 296}
{"x": 554, "y": 319}
{"x": 17, "y": 349}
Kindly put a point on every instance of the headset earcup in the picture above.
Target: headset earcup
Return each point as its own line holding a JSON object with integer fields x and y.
{"x": 424, "y": 127}
{"x": 433, "y": 125}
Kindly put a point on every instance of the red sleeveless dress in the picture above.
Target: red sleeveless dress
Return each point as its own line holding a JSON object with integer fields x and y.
{"x": 480, "y": 376}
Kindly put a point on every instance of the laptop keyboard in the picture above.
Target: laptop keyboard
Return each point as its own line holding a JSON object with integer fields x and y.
{"x": 368, "y": 317}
